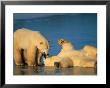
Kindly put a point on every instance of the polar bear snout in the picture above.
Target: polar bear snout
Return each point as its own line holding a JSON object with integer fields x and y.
{"x": 45, "y": 55}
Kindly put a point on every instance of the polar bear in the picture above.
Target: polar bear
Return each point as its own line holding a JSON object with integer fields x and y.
{"x": 31, "y": 43}
{"x": 68, "y": 56}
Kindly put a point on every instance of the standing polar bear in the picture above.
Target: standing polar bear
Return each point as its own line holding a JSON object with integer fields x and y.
{"x": 30, "y": 42}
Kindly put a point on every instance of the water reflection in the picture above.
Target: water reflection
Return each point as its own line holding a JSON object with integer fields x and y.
{"x": 25, "y": 70}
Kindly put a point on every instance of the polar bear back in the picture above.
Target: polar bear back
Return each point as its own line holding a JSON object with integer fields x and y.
{"x": 27, "y": 37}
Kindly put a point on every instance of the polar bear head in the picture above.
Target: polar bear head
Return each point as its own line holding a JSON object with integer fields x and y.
{"x": 42, "y": 44}
{"x": 43, "y": 47}
{"x": 62, "y": 41}
{"x": 65, "y": 44}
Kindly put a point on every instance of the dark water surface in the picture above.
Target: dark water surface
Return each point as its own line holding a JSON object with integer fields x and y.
{"x": 25, "y": 70}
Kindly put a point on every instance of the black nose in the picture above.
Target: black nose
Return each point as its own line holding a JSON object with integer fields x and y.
{"x": 47, "y": 54}
{"x": 44, "y": 55}
{"x": 57, "y": 64}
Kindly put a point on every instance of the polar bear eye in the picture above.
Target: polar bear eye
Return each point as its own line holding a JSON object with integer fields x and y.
{"x": 41, "y": 42}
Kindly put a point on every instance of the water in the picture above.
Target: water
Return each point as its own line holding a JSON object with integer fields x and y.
{"x": 25, "y": 70}
{"x": 79, "y": 29}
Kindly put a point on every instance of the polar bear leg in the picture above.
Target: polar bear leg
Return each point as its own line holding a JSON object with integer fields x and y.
{"x": 39, "y": 58}
{"x": 30, "y": 56}
{"x": 17, "y": 57}
{"x": 25, "y": 56}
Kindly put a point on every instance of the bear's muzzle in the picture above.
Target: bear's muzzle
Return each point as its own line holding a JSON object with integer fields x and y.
{"x": 45, "y": 55}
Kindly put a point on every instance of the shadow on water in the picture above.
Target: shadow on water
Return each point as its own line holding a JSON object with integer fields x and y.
{"x": 25, "y": 70}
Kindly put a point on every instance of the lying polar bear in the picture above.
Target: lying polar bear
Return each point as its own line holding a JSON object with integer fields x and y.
{"x": 85, "y": 57}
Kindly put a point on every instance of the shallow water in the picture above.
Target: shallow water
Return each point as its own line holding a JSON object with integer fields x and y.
{"x": 25, "y": 70}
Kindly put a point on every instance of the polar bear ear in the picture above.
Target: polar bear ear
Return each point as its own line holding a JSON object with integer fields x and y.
{"x": 41, "y": 42}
